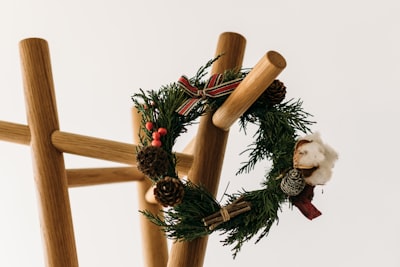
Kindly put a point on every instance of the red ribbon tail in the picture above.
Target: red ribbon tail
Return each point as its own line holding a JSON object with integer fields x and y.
{"x": 303, "y": 203}
{"x": 308, "y": 209}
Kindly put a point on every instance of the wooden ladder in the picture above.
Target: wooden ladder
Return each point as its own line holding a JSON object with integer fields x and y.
{"x": 201, "y": 160}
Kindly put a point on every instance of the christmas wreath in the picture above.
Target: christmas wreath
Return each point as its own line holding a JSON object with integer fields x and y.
{"x": 298, "y": 163}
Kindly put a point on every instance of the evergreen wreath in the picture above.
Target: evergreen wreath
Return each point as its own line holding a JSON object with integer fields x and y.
{"x": 194, "y": 212}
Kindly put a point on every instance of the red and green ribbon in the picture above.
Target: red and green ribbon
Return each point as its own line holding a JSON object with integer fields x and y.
{"x": 213, "y": 88}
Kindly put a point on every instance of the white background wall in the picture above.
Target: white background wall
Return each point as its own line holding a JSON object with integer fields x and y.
{"x": 343, "y": 61}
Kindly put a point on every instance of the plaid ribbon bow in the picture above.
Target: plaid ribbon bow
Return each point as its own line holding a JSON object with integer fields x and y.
{"x": 213, "y": 88}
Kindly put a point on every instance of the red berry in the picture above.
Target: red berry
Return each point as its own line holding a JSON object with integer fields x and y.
{"x": 149, "y": 125}
{"x": 156, "y": 143}
{"x": 162, "y": 131}
{"x": 156, "y": 136}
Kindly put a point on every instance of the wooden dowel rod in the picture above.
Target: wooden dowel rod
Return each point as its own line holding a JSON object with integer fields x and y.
{"x": 154, "y": 242}
{"x": 48, "y": 162}
{"x": 106, "y": 149}
{"x": 98, "y": 176}
{"x": 209, "y": 151}
{"x": 255, "y": 83}
{"x": 94, "y": 147}
{"x": 16, "y": 133}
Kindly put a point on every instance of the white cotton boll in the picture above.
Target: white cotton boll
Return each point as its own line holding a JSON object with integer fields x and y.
{"x": 311, "y": 152}
{"x": 310, "y": 155}
{"x": 319, "y": 177}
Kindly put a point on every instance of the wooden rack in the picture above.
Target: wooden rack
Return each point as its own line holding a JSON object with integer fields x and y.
{"x": 201, "y": 160}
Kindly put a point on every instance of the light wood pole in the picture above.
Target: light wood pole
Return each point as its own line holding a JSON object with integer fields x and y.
{"x": 209, "y": 152}
{"x": 48, "y": 162}
{"x": 154, "y": 242}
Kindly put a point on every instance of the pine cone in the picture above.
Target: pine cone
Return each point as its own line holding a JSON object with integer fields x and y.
{"x": 275, "y": 93}
{"x": 169, "y": 191}
{"x": 293, "y": 182}
{"x": 152, "y": 161}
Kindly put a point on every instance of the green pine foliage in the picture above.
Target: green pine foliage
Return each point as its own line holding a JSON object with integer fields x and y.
{"x": 275, "y": 138}
{"x": 184, "y": 221}
{"x": 278, "y": 129}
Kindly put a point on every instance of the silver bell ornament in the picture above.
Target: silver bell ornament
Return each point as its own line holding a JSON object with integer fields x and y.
{"x": 293, "y": 182}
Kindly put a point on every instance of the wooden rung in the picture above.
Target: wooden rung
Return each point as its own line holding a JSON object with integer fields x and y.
{"x": 255, "y": 83}
{"x": 98, "y": 176}
{"x": 16, "y": 133}
{"x": 106, "y": 149}
{"x": 94, "y": 147}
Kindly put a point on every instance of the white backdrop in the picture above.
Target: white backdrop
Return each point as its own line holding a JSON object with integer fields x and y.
{"x": 343, "y": 62}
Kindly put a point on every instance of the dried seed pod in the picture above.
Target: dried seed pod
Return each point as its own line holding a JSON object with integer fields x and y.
{"x": 276, "y": 92}
{"x": 293, "y": 182}
{"x": 152, "y": 161}
{"x": 169, "y": 191}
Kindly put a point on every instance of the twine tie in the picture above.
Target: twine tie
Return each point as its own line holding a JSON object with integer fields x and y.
{"x": 225, "y": 214}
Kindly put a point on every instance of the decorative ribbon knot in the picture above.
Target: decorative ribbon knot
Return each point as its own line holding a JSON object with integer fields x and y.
{"x": 213, "y": 88}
